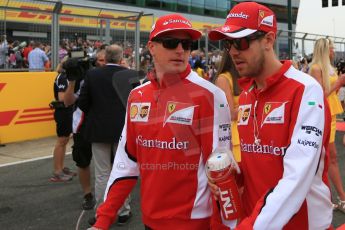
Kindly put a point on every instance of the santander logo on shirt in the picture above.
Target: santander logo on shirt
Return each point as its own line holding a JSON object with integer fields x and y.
{"x": 263, "y": 149}
{"x": 160, "y": 144}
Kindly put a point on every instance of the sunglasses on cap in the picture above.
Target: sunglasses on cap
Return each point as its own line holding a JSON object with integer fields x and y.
{"x": 242, "y": 43}
{"x": 172, "y": 43}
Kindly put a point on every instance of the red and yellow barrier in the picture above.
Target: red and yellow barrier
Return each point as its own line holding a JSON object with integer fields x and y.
{"x": 24, "y": 110}
{"x": 67, "y": 19}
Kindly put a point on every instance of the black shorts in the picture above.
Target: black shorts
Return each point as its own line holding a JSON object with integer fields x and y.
{"x": 81, "y": 150}
{"x": 63, "y": 119}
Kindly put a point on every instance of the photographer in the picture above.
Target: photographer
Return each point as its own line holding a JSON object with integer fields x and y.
{"x": 81, "y": 149}
{"x": 63, "y": 119}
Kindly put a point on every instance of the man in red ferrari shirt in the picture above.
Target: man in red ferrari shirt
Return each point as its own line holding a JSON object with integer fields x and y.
{"x": 173, "y": 123}
{"x": 283, "y": 126}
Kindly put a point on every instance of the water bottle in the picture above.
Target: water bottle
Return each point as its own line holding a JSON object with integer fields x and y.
{"x": 221, "y": 168}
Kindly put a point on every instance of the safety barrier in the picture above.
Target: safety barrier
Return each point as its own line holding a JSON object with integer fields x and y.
{"x": 24, "y": 110}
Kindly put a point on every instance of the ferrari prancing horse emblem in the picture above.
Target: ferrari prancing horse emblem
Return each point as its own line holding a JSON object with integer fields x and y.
{"x": 267, "y": 108}
{"x": 171, "y": 107}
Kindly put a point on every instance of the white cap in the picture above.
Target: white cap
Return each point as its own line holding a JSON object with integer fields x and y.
{"x": 218, "y": 161}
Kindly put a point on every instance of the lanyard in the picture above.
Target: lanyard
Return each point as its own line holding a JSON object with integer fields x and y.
{"x": 257, "y": 140}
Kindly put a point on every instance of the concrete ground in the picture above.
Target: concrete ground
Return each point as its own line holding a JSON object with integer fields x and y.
{"x": 29, "y": 201}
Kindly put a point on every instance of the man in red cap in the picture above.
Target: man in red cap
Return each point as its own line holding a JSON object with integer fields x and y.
{"x": 282, "y": 126}
{"x": 173, "y": 123}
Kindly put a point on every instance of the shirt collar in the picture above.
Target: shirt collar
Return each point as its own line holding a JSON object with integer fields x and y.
{"x": 246, "y": 83}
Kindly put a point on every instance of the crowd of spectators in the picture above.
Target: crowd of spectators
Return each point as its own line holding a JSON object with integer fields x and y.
{"x": 14, "y": 54}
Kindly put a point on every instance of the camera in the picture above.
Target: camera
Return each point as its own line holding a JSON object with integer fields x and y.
{"x": 341, "y": 67}
{"x": 77, "y": 64}
{"x": 21, "y": 45}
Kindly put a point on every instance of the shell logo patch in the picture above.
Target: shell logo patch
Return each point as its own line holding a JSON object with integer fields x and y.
{"x": 133, "y": 111}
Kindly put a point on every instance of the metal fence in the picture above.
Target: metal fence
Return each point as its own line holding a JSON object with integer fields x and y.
{"x": 303, "y": 43}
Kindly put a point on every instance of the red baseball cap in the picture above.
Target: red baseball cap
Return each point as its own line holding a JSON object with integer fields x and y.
{"x": 244, "y": 19}
{"x": 173, "y": 22}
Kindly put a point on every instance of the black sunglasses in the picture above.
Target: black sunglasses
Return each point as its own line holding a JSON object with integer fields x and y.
{"x": 242, "y": 43}
{"x": 172, "y": 43}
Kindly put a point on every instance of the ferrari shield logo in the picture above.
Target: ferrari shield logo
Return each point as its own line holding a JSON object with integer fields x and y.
{"x": 267, "y": 108}
{"x": 178, "y": 113}
{"x": 273, "y": 113}
{"x": 171, "y": 107}
{"x": 262, "y": 13}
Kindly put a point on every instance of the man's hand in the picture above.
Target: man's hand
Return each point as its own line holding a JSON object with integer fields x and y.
{"x": 214, "y": 189}
{"x": 69, "y": 97}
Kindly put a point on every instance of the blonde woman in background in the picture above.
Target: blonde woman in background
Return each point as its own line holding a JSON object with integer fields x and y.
{"x": 322, "y": 70}
{"x": 227, "y": 81}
